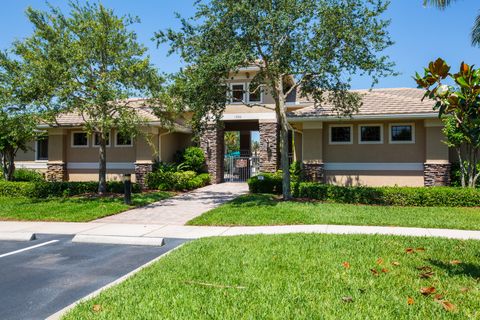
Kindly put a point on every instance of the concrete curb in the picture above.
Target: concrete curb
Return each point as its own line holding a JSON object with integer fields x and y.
{"x": 59, "y": 314}
{"x": 137, "y": 241}
{"x": 17, "y": 236}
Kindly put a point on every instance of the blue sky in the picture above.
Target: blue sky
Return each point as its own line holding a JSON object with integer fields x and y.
{"x": 421, "y": 34}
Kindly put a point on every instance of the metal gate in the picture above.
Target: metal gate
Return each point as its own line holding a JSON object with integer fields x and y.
{"x": 240, "y": 169}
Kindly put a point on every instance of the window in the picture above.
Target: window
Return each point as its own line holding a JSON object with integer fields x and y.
{"x": 255, "y": 96}
{"x": 41, "y": 150}
{"x": 340, "y": 134}
{"x": 370, "y": 134}
{"x": 79, "y": 140}
{"x": 96, "y": 140}
{"x": 238, "y": 93}
{"x": 122, "y": 140}
{"x": 402, "y": 133}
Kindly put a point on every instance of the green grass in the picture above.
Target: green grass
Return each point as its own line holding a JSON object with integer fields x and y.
{"x": 298, "y": 277}
{"x": 255, "y": 210}
{"x": 74, "y": 209}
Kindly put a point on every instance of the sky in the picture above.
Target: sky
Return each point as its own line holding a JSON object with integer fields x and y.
{"x": 420, "y": 34}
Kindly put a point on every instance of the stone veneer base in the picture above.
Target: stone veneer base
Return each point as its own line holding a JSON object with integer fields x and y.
{"x": 212, "y": 144}
{"x": 314, "y": 171}
{"x": 56, "y": 172}
{"x": 141, "y": 171}
{"x": 436, "y": 174}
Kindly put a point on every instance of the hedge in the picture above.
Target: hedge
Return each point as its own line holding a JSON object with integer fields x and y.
{"x": 178, "y": 181}
{"x": 57, "y": 189}
{"x": 394, "y": 196}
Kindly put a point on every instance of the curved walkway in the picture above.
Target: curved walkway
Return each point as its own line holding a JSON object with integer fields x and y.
{"x": 180, "y": 209}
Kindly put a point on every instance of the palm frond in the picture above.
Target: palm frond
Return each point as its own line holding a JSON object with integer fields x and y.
{"x": 442, "y": 4}
{"x": 476, "y": 32}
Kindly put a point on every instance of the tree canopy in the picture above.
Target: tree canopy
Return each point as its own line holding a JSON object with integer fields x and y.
{"x": 313, "y": 47}
{"x": 88, "y": 62}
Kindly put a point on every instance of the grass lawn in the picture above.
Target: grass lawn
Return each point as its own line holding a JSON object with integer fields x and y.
{"x": 74, "y": 209}
{"x": 299, "y": 276}
{"x": 255, "y": 210}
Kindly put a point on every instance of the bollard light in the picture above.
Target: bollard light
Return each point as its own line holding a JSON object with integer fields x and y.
{"x": 127, "y": 182}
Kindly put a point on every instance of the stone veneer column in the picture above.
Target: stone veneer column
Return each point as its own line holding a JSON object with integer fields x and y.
{"x": 56, "y": 171}
{"x": 56, "y": 165}
{"x": 436, "y": 169}
{"x": 144, "y": 151}
{"x": 313, "y": 170}
{"x": 312, "y": 152}
{"x": 141, "y": 171}
{"x": 212, "y": 144}
{"x": 269, "y": 146}
{"x": 436, "y": 174}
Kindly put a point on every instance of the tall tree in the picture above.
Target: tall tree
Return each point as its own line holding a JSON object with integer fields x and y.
{"x": 443, "y": 4}
{"x": 312, "y": 45}
{"x": 17, "y": 121}
{"x": 88, "y": 62}
{"x": 459, "y": 107}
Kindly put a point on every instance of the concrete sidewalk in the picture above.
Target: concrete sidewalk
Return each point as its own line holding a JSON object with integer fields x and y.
{"x": 193, "y": 232}
{"x": 180, "y": 209}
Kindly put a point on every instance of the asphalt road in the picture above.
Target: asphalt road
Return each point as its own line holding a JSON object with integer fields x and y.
{"x": 40, "y": 281}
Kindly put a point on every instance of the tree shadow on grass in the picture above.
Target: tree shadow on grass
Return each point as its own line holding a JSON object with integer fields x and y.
{"x": 467, "y": 269}
{"x": 254, "y": 200}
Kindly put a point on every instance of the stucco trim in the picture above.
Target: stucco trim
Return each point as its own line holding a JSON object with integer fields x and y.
{"x": 95, "y": 165}
{"x": 369, "y": 166}
{"x": 249, "y": 116}
{"x": 31, "y": 165}
{"x": 370, "y": 125}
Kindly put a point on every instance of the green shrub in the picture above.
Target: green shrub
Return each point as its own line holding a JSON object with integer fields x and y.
{"x": 27, "y": 175}
{"x": 266, "y": 183}
{"x": 181, "y": 180}
{"x": 395, "y": 196}
{"x": 194, "y": 159}
{"x": 46, "y": 189}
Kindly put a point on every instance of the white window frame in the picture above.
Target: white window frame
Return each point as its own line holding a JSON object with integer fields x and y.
{"x": 36, "y": 152}
{"x": 122, "y": 145}
{"x": 72, "y": 140}
{"x": 94, "y": 139}
{"x": 245, "y": 95}
{"x": 412, "y": 124}
{"x": 336, "y": 126}
{"x": 370, "y": 125}
{"x": 261, "y": 94}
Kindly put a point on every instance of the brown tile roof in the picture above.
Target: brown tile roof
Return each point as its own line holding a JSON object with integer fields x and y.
{"x": 377, "y": 102}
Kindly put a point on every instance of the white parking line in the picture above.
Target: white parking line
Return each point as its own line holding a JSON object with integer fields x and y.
{"x": 27, "y": 248}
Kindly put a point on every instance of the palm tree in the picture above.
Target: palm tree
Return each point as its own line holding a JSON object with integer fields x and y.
{"x": 442, "y": 4}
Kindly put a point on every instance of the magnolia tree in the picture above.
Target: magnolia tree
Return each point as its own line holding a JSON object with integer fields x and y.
{"x": 17, "y": 122}
{"x": 308, "y": 46}
{"x": 459, "y": 107}
{"x": 88, "y": 62}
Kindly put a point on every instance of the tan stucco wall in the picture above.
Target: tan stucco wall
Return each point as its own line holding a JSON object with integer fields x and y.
{"x": 375, "y": 178}
{"x": 173, "y": 142}
{"x": 312, "y": 144}
{"x": 92, "y": 175}
{"x": 436, "y": 149}
{"x": 29, "y": 155}
{"x": 297, "y": 140}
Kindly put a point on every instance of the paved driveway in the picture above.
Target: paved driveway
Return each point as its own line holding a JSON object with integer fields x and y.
{"x": 180, "y": 209}
{"x": 40, "y": 277}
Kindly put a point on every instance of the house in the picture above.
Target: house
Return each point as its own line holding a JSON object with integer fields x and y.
{"x": 394, "y": 139}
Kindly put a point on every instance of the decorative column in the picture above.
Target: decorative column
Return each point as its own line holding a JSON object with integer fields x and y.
{"x": 269, "y": 146}
{"x": 212, "y": 144}
{"x": 436, "y": 169}
{"x": 144, "y": 154}
{"x": 312, "y": 152}
{"x": 56, "y": 164}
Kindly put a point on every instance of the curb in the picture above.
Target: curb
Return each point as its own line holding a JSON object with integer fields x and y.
{"x": 17, "y": 236}
{"x": 137, "y": 241}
